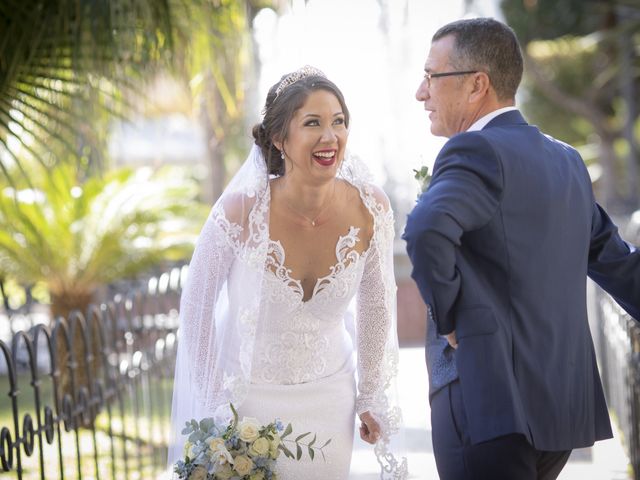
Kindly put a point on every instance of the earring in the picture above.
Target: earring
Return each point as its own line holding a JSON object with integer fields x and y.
{"x": 282, "y": 155}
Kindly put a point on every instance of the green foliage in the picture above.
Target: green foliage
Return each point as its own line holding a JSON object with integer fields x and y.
{"x": 220, "y": 65}
{"x": 549, "y": 19}
{"x": 569, "y": 61}
{"x": 580, "y": 76}
{"x": 62, "y": 60}
{"x": 67, "y": 69}
{"x": 75, "y": 236}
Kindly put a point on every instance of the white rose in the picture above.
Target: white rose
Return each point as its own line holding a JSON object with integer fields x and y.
{"x": 225, "y": 472}
{"x": 198, "y": 473}
{"x": 243, "y": 465}
{"x": 214, "y": 443}
{"x": 222, "y": 456}
{"x": 249, "y": 429}
{"x": 259, "y": 448}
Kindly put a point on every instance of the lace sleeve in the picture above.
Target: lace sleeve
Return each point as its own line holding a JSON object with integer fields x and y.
{"x": 376, "y": 335}
{"x": 217, "y": 317}
{"x": 208, "y": 271}
{"x": 376, "y": 297}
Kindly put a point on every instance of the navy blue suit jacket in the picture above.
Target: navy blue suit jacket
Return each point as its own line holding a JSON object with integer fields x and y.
{"x": 501, "y": 245}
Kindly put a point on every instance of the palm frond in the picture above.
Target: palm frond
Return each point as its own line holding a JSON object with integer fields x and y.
{"x": 61, "y": 56}
{"x": 67, "y": 233}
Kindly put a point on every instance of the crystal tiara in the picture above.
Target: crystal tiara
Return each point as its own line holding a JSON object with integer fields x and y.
{"x": 306, "y": 71}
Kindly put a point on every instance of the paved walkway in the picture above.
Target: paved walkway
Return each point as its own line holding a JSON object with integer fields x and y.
{"x": 604, "y": 461}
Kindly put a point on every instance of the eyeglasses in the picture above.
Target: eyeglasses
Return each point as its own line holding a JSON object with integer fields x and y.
{"x": 428, "y": 76}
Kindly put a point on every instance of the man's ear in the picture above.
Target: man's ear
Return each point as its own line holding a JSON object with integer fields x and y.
{"x": 480, "y": 88}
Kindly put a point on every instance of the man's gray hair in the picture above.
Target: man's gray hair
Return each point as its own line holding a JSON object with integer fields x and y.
{"x": 489, "y": 46}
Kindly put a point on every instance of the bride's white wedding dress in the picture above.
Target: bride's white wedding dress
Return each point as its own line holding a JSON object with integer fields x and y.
{"x": 248, "y": 337}
{"x": 303, "y": 368}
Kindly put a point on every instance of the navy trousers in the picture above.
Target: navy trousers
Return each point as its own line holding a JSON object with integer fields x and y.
{"x": 510, "y": 457}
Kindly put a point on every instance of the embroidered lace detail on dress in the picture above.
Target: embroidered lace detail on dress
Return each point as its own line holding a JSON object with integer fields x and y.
{"x": 295, "y": 342}
{"x": 346, "y": 256}
{"x": 293, "y": 357}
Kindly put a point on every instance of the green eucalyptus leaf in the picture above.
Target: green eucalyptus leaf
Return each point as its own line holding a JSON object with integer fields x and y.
{"x": 298, "y": 452}
{"x": 287, "y": 431}
{"x": 235, "y": 416}
{"x": 285, "y": 450}
{"x": 300, "y": 437}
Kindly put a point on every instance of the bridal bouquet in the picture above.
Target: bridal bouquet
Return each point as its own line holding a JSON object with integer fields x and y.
{"x": 242, "y": 450}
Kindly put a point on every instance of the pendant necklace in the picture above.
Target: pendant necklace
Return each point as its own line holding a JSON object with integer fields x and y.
{"x": 313, "y": 220}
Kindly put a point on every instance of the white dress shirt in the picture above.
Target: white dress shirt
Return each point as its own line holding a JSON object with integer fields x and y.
{"x": 482, "y": 122}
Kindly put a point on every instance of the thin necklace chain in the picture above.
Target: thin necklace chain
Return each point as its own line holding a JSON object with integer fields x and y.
{"x": 313, "y": 220}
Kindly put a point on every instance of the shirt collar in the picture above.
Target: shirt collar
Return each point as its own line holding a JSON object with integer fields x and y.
{"x": 482, "y": 122}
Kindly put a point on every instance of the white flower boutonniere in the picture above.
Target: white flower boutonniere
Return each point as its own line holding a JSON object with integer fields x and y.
{"x": 423, "y": 177}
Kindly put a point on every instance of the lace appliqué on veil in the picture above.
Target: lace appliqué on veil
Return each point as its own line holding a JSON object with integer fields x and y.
{"x": 249, "y": 243}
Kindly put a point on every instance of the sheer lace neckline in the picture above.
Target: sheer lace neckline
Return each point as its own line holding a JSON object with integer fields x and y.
{"x": 346, "y": 256}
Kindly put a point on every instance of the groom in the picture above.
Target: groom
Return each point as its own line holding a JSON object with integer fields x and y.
{"x": 501, "y": 245}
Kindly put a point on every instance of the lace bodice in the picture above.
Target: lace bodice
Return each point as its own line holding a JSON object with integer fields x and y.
{"x": 301, "y": 341}
{"x": 337, "y": 283}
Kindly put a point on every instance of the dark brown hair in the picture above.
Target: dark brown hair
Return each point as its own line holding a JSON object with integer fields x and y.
{"x": 489, "y": 46}
{"x": 280, "y": 109}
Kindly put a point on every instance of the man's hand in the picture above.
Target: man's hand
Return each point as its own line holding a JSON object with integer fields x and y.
{"x": 369, "y": 428}
{"x": 451, "y": 338}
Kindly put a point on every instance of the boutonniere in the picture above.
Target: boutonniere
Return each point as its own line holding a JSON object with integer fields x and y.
{"x": 423, "y": 177}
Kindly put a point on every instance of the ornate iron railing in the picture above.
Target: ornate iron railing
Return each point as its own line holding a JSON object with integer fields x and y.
{"x": 618, "y": 346}
{"x": 90, "y": 396}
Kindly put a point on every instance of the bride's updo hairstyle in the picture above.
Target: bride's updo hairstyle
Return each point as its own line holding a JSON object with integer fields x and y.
{"x": 283, "y": 100}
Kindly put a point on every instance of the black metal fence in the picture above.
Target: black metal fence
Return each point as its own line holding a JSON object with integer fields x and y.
{"x": 617, "y": 339}
{"x": 90, "y": 396}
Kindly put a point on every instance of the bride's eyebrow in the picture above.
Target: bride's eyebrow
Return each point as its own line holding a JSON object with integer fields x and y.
{"x": 315, "y": 115}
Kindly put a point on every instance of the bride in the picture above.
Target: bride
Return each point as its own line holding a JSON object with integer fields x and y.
{"x": 292, "y": 275}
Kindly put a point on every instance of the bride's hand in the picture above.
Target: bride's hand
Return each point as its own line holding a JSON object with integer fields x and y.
{"x": 369, "y": 428}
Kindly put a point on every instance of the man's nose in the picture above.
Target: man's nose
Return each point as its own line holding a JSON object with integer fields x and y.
{"x": 423, "y": 92}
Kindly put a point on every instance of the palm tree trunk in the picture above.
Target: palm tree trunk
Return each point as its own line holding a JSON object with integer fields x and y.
{"x": 214, "y": 135}
{"x": 78, "y": 375}
{"x": 64, "y": 302}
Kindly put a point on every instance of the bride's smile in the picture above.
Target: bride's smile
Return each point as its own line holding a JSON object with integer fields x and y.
{"x": 325, "y": 157}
